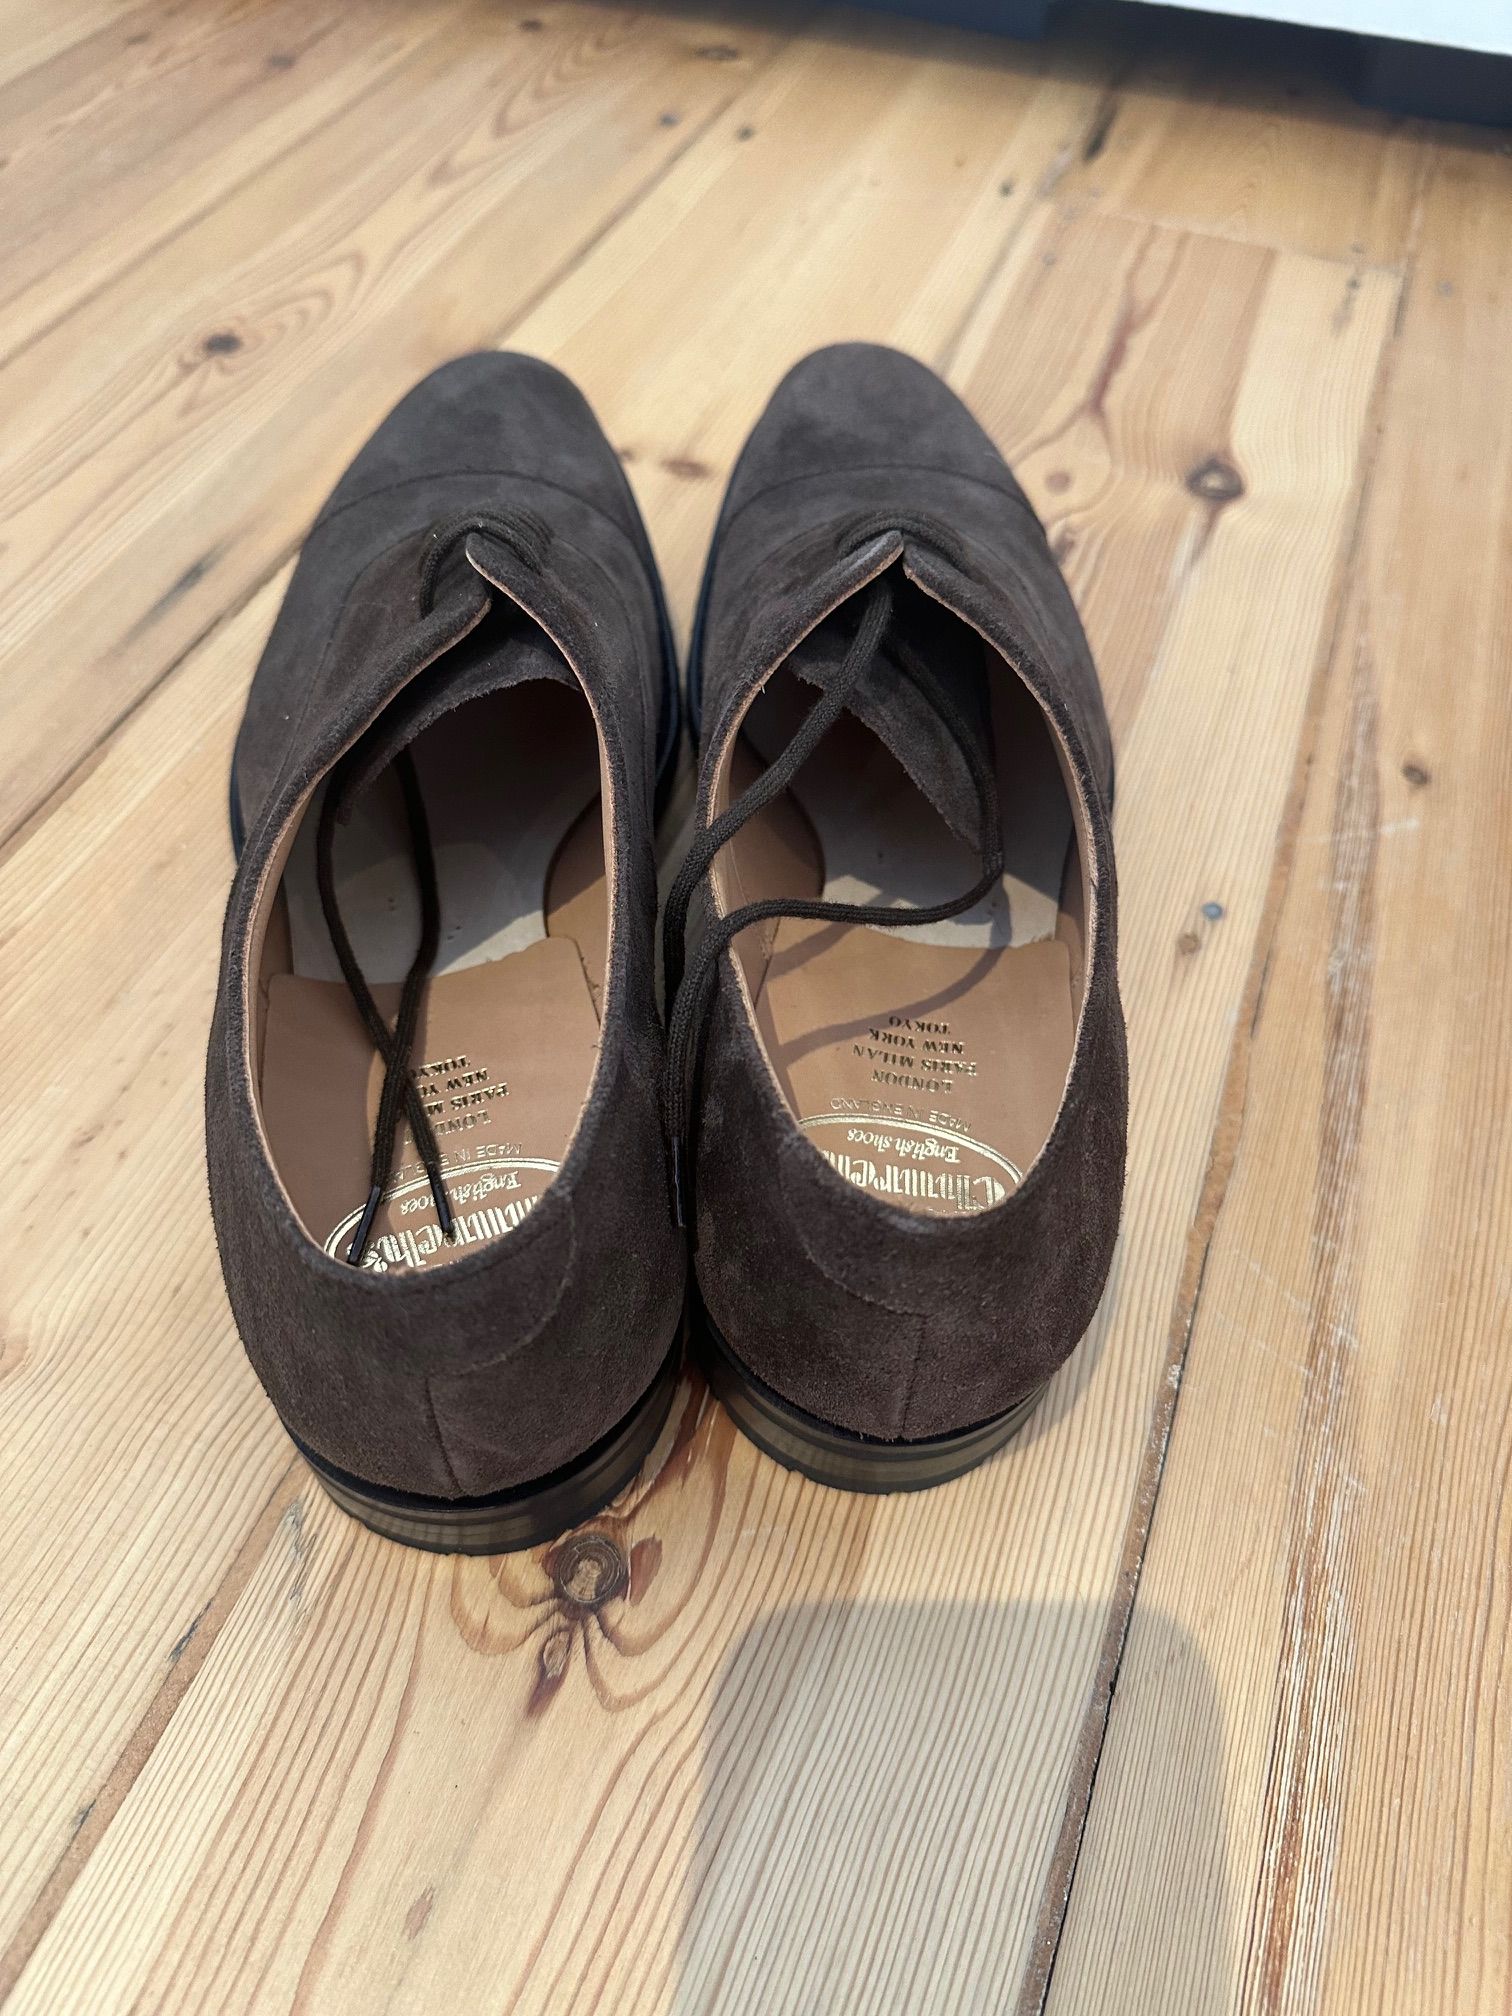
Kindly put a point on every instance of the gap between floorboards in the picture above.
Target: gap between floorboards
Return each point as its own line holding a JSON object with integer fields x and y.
{"x": 1223, "y": 1154}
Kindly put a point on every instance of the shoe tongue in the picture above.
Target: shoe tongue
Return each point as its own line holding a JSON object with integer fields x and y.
{"x": 506, "y": 649}
{"x": 888, "y": 702}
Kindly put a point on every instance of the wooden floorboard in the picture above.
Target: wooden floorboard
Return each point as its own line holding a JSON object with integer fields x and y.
{"x": 125, "y": 139}
{"x": 1236, "y": 129}
{"x": 139, "y": 1455}
{"x": 867, "y": 186}
{"x": 826, "y": 1753}
{"x": 31, "y": 36}
{"x": 1300, "y": 1805}
{"x": 168, "y": 441}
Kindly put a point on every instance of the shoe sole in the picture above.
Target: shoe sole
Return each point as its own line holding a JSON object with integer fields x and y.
{"x": 834, "y": 1456}
{"x": 526, "y": 1515}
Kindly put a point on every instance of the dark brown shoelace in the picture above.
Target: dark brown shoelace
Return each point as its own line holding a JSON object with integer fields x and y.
{"x": 528, "y": 537}
{"x": 688, "y": 989}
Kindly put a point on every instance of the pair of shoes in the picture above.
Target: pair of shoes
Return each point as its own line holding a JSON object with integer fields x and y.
{"x": 456, "y": 1161}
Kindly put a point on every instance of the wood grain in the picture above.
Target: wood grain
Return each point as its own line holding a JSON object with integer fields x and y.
{"x": 201, "y": 701}
{"x": 1333, "y": 1534}
{"x": 745, "y": 1744}
{"x": 891, "y": 1691}
{"x": 126, "y": 137}
{"x": 169, "y": 440}
{"x": 139, "y": 1453}
{"x": 1236, "y": 128}
{"x": 856, "y": 192}
{"x": 31, "y": 36}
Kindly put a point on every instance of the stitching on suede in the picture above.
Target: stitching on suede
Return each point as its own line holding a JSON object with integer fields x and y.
{"x": 913, "y": 1319}
{"x": 647, "y": 668}
{"x": 878, "y": 469}
{"x": 737, "y": 698}
{"x": 916, "y": 1359}
{"x": 329, "y": 516}
{"x": 799, "y": 1220}
{"x": 566, "y": 1277}
{"x": 634, "y": 534}
{"x": 639, "y": 547}
{"x": 610, "y": 732}
{"x": 445, "y": 1454}
{"x": 312, "y": 686}
{"x": 339, "y": 615}
{"x": 639, "y": 550}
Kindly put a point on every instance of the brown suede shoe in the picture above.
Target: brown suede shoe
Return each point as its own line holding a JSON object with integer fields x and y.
{"x": 435, "y": 1159}
{"x": 903, "y": 1150}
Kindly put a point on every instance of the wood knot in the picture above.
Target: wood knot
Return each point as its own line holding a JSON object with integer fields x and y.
{"x": 1416, "y": 774}
{"x": 587, "y": 1570}
{"x": 221, "y": 343}
{"x": 1215, "y": 481}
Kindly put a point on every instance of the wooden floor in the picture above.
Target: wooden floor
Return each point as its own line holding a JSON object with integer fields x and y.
{"x": 1198, "y": 1698}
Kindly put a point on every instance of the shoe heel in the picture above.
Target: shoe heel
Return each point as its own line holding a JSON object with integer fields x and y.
{"x": 831, "y": 1455}
{"x": 526, "y": 1515}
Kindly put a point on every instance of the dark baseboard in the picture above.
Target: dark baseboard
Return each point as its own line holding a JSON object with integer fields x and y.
{"x": 1424, "y": 81}
{"x": 1414, "y": 79}
{"x": 1025, "y": 20}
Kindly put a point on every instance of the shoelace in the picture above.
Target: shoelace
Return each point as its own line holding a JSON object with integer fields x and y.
{"x": 527, "y": 536}
{"x": 688, "y": 989}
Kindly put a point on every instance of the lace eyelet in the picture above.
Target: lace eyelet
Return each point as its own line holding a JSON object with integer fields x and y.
{"x": 922, "y": 529}
{"x": 527, "y": 536}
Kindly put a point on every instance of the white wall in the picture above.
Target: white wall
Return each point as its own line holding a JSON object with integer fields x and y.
{"x": 1460, "y": 24}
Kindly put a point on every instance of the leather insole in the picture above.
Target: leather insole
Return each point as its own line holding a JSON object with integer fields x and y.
{"x": 927, "y": 1074}
{"x": 503, "y": 778}
{"x": 927, "y": 1064}
{"x": 509, "y": 1028}
{"x": 880, "y": 839}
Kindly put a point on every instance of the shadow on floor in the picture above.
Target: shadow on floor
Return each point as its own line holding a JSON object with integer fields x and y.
{"x": 869, "y": 1843}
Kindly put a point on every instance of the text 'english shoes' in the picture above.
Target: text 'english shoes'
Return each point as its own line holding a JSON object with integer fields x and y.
{"x": 901, "y": 1150}
{"x": 436, "y": 1164}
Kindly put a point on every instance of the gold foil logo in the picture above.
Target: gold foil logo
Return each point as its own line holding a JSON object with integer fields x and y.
{"x": 916, "y": 1161}
{"x": 488, "y": 1199}
{"x": 913, "y": 1054}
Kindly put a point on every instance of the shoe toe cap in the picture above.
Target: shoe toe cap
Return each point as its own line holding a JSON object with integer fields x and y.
{"x": 855, "y": 406}
{"x": 490, "y": 413}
